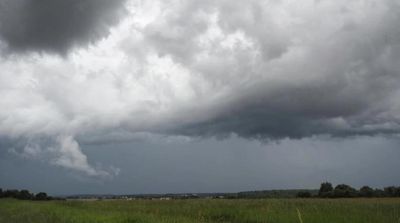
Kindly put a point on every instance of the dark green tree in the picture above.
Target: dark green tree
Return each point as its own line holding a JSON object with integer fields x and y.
{"x": 11, "y": 193}
{"x": 343, "y": 190}
{"x": 379, "y": 193}
{"x": 366, "y": 191}
{"x": 326, "y": 190}
{"x": 41, "y": 196}
{"x": 25, "y": 195}
{"x": 391, "y": 191}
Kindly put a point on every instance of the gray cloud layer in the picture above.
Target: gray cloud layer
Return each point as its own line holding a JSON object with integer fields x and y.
{"x": 56, "y": 25}
{"x": 258, "y": 69}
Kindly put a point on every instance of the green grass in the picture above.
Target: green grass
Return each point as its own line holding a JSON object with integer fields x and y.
{"x": 187, "y": 211}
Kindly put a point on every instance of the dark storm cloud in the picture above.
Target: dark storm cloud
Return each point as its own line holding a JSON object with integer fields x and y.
{"x": 254, "y": 68}
{"x": 257, "y": 69}
{"x": 56, "y": 25}
{"x": 336, "y": 76}
{"x": 303, "y": 112}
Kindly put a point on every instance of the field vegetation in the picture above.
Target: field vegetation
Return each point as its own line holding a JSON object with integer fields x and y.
{"x": 349, "y": 210}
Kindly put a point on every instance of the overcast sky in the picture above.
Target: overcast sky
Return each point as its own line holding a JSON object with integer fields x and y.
{"x": 135, "y": 96}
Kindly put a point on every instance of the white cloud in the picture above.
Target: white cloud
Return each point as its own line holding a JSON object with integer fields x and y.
{"x": 69, "y": 155}
{"x": 62, "y": 151}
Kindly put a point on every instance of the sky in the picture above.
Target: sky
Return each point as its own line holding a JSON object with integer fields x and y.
{"x": 135, "y": 96}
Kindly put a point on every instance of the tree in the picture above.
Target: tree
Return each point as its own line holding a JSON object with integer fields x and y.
{"x": 366, "y": 191}
{"x": 379, "y": 193}
{"x": 326, "y": 190}
{"x": 41, "y": 196}
{"x": 343, "y": 190}
{"x": 392, "y": 191}
{"x": 25, "y": 195}
{"x": 11, "y": 193}
{"x": 1, "y": 193}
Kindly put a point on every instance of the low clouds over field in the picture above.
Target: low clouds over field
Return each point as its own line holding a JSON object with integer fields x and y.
{"x": 98, "y": 72}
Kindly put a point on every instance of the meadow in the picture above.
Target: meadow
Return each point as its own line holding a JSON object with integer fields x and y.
{"x": 358, "y": 210}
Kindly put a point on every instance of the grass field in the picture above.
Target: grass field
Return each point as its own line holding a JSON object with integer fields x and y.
{"x": 186, "y": 211}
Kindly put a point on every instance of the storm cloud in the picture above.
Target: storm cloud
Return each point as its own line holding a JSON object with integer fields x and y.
{"x": 256, "y": 69}
{"x": 56, "y": 25}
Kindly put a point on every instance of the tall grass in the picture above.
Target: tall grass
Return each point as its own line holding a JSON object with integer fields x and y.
{"x": 191, "y": 211}
{"x": 299, "y": 215}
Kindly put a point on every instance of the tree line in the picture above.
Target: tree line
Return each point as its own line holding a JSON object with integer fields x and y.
{"x": 327, "y": 190}
{"x": 24, "y": 195}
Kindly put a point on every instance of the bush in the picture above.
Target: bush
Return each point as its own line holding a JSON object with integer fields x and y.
{"x": 304, "y": 194}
